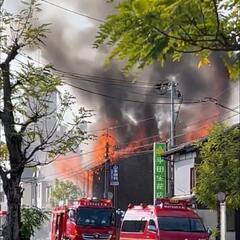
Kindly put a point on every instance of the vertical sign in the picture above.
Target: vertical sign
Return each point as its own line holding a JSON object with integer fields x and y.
{"x": 159, "y": 171}
{"x": 114, "y": 172}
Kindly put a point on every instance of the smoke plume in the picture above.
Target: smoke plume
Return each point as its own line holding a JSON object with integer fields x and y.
{"x": 69, "y": 47}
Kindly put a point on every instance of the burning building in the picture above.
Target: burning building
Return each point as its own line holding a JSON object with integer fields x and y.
{"x": 135, "y": 181}
{"x": 130, "y": 107}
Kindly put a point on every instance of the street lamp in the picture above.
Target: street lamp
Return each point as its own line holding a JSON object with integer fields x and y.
{"x": 221, "y": 196}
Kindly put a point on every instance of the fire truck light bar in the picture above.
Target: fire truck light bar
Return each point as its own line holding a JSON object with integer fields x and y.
{"x": 171, "y": 203}
{"x": 94, "y": 202}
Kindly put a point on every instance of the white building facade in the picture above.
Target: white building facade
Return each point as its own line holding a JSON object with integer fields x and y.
{"x": 185, "y": 161}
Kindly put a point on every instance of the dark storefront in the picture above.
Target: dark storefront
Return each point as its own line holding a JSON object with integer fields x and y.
{"x": 135, "y": 178}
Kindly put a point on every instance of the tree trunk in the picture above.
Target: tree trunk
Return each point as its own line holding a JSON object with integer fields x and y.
{"x": 14, "y": 193}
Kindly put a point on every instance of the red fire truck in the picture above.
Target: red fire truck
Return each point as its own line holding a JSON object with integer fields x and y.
{"x": 166, "y": 220}
{"x": 85, "y": 219}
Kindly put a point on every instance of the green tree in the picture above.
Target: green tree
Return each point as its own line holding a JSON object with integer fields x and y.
{"x": 219, "y": 170}
{"x": 31, "y": 220}
{"x": 3, "y": 152}
{"x": 63, "y": 191}
{"x": 142, "y": 31}
{"x": 28, "y": 115}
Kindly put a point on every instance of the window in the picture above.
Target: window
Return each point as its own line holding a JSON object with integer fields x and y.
{"x": 133, "y": 226}
{"x": 95, "y": 217}
{"x": 196, "y": 225}
{"x": 180, "y": 224}
{"x": 192, "y": 179}
{"x": 152, "y": 226}
{"x": 174, "y": 224}
{"x": 48, "y": 193}
{"x": 152, "y": 223}
{"x": 71, "y": 214}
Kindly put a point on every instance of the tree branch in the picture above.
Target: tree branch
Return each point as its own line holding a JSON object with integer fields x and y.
{"x": 217, "y": 17}
{"x": 44, "y": 143}
{"x": 12, "y": 54}
{"x": 16, "y": 84}
{"x": 32, "y": 119}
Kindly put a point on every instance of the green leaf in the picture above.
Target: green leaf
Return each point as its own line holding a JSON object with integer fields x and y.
{"x": 184, "y": 26}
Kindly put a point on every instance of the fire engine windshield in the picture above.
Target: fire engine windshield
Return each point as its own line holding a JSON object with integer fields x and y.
{"x": 181, "y": 224}
{"x": 95, "y": 217}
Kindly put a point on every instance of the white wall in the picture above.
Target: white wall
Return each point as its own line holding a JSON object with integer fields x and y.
{"x": 209, "y": 217}
{"x": 183, "y": 164}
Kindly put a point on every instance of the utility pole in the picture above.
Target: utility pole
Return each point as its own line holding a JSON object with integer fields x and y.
{"x": 106, "y": 169}
{"x": 165, "y": 88}
{"x": 172, "y": 140}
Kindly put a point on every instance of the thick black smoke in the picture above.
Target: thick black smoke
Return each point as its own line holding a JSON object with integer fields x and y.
{"x": 69, "y": 47}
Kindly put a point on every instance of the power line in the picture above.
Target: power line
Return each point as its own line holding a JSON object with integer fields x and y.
{"x": 215, "y": 101}
{"x": 74, "y": 12}
{"x": 91, "y": 79}
{"x": 131, "y": 100}
{"x": 114, "y": 127}
{"x": 198, "y": 101}
{"x": 122, "y": 125}
{"x": 79, "y": 76}
{"x": 96, "y": 77}
{"x": 224, "y": 90}
{"x": 75, "y": 156}
{"x": 204, "y": 127}
{"x": 86, "y": 166}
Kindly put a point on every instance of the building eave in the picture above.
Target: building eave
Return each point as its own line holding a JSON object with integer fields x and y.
{"x": 184, "y": 148}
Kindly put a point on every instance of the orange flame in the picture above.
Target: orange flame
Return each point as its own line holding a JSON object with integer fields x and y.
{"x": 70, "y": 168}
{"x": 105, "y": 143}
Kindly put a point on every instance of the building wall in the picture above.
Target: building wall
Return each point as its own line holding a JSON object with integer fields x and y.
{"x": 135, "y": 179}
{"x": 43, "y": 194}
{"x": 182, "y": 186}
{"x": 182, "y": 167}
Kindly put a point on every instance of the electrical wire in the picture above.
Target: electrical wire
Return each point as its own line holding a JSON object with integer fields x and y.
{"x": 95, "y": 77}
{"x": 131, "y": 100}
{"x": 74, "y": 75}
{"x": 215, "y": 101}
{"x": 228, "y": 108}
{"x": 205, "y": 127}
{"x": 89, "y": 165}
{"x": 74, "y": 12}
{"x": 75, "y": 156}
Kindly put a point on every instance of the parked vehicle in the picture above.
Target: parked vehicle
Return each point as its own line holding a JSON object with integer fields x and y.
{"x": 85, "y": 219}
{"x": 166, "y": 220}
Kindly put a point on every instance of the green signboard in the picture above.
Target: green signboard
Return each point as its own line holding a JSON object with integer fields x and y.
{"x": 159, "y": 171}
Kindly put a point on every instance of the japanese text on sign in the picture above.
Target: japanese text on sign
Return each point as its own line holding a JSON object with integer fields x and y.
{"x": 114, "y": 181}
{"x": 159, "y": 170}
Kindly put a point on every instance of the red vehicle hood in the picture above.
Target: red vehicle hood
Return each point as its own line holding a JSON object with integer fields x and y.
{"x": 164, "y": 235}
